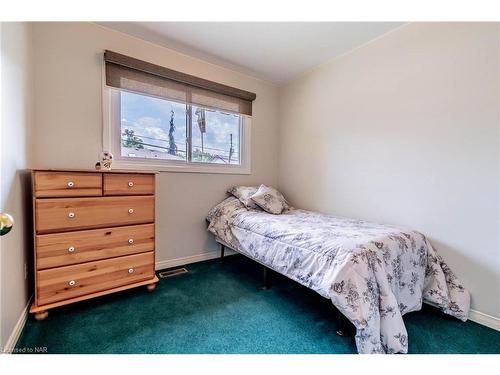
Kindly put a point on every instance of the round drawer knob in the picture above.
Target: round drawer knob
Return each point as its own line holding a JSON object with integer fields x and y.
{"x": 71, "y": 249}
{"x": 71, "y": 184}
{"x": 130, "y": 210}
{"x": 130, "y": 241}
{"x": 72, "y": 283}
{"x": 130, "y": 184}
{"x": 130, "y": 270}
{"x": 71, "y": 215}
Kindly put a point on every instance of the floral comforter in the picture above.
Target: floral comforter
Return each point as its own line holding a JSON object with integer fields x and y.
{"x": 372, "y": 273}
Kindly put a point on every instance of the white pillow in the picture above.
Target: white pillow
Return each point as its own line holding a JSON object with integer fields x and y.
{"x": 243, "y": 193}
{"x": 270, "y": 200}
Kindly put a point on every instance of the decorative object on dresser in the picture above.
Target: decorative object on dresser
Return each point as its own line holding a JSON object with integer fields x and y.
{"x": 105, "y": 162}
{"x": 94, "y": 234}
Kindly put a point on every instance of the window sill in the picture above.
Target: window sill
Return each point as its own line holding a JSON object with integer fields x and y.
{"x": 190, "y": 168}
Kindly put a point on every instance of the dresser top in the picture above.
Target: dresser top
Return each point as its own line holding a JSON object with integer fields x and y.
{"x": 92, "y": 170}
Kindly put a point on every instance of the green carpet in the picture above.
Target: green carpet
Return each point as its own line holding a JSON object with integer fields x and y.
{"x": 220, "y": 308}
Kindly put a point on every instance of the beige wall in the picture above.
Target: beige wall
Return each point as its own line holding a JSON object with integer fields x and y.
{"x": 68, "y": 125}
{"x": 405, "y": 130}
{"x": 15, "y": 130}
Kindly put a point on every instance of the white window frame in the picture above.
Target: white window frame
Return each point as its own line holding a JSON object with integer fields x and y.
{"x": 111, "y": 141}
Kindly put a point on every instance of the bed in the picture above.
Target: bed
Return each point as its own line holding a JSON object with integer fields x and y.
{"x": 373, "y": 274}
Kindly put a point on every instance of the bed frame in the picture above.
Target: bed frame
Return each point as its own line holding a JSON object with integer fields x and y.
{"x": 344, "y": 328}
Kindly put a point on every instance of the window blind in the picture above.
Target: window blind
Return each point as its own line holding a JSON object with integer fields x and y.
{"x": 127, "y": 73}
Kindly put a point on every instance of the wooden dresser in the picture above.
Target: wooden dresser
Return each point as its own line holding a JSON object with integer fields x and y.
{"x": 94, "y": 234}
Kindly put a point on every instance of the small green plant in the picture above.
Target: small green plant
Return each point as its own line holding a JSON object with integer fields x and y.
{"x": 131, "y": 140}
{"x": 202, "y": 156}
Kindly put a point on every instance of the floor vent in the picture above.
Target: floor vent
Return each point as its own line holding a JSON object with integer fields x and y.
{"x": 172, "y": 273}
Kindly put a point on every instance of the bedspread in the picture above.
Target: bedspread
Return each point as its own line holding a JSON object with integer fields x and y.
{"x": 372, "y": 273}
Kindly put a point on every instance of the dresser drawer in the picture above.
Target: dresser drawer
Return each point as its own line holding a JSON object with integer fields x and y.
{"x": 129, "y": 184}
{"x": 67, "y": 184}
{"x": 62, "y": 283}
{"x": 67, "y": 214}
{"x": 62, "y": 249}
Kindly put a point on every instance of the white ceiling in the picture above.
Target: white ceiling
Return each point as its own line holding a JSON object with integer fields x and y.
{"x": 274, "y": 51}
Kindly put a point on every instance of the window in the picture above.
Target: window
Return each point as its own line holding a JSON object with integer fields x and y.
{"x": 152, "y": 128}
{"x": 182, "y": 129}
{"x": 215, "y": 136}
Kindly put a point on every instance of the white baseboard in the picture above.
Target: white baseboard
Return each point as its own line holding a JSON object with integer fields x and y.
{"x": 162, "y": 264}
{"x": 18, "y": 329}
{"x": 484, "y": 319}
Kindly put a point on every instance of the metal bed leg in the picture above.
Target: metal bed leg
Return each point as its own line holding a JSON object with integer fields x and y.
{"x": 344, "y": 328}
{"x": 265, "y": 278}
{"x": 222, "y": 248}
